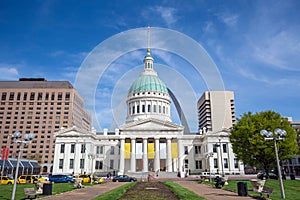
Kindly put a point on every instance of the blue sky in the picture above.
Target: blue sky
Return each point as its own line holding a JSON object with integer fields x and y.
{"x": 254, "y": 44}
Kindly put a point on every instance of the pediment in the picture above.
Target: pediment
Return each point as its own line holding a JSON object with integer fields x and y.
{"x": 151, "y": 124}
{"x": 71, "y": 132}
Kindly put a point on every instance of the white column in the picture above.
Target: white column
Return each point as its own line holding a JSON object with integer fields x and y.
{"x": 156, "y": 157}
{"x": 132, "y": 157}
{"x": 77, "y": 157}
{"x": 180, "y": 158}
{"x": 169, "y": 155}
{"x": 145, "y": 155}
{"x": 122, "y": 159}
{"x": 219, "y": 159}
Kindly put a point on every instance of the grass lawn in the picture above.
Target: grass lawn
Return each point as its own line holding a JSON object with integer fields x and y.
{"x": 6, "y": 190}
{"x": 115, "y": 193}
{"x": 291, "y": 188}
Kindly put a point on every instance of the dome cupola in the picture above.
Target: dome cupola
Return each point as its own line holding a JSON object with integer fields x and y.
{"x": 148, "y": 96}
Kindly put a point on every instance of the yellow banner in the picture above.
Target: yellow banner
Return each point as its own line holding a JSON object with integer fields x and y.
{"x": 151, "y": 150}
{"x": 174, "y": 148}
{"x": 127, "y": 150}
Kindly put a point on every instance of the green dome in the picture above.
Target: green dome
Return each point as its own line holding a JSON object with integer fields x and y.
{"x": 148, "y": 83}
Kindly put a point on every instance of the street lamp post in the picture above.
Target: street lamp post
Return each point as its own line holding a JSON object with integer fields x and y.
{"x": 278, "y": 135}
{"x": 16, "y": 139}
{"x": 208, "y": 156}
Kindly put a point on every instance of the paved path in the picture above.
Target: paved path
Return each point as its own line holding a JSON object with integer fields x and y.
{"x": 211, "y": 193}
{"x": 89, "y": 192}
{"x": 206, "y": 191}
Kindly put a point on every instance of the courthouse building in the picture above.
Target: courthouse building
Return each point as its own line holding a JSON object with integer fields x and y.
{"x": 148, "y": 141}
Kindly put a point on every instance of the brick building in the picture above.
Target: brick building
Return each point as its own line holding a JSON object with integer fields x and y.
{"x": 41, "y": 107}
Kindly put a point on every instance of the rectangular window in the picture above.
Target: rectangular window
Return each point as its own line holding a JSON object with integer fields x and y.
{"x": 61, "y": 163}
{"x": 11, "y": 96}
{"x": 53, "y": 96}
{"x": 62, "y": 148}
{"x": 215, "y": 148}
{"x": 99, "y": 165}
{"x": 215, "y": 163}
{"x": 59, "y": 96}
{"x": 111, "y": 164}
{"x": 149, "y": 108}
{"x": 82, "y": 148}
{"x": 67, "y": 97}
{"x": 154, "y": 108}
{"x": 186, "y": 163}
{"x": 197, "y": 149}
{"x": 236, "y": 163}
{"x": 99, "y": 150}
{"x": 225, "y": 163}
{"x": 32, "y": 94}
{"x": 47, "y": 96}
{"x": 72, "y": 148}
{"x": 81, "y": 163}
{"x": 40, "y": 96}
{"x": 198, "y": 164}
{"x": 138, "y": 109}
{"x": 71, "y": 164}
{"x": 143, "y": 108}
{"x": 19, "y": 96}
{"x": 112, "y": 150}
{"x": 3, "y": 98}
{"x": 224, "y": 148}
{"x": 25, "y": 97}
{"x": 186, "y": 150}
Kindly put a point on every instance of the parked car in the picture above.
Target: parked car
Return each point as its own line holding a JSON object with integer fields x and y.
{"x": 86, "y": 178}
{"x": 207, "y": 175}
{"x": 44, "y": 176}
{"x": 61, "y": 178}
{"x": 5, "y": 180}
{"x": 263, "y": 175}
{"x": 123, "y": 178}
{"x": 29, "y": 179}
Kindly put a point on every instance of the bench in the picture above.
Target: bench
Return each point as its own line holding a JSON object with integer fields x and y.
{"x": 267, "y": 191}
{"x": 78, "y": 183}
{"x": 30, "y": 192}
{"x": 257, "y": 185}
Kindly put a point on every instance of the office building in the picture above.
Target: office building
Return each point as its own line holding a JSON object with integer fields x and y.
{"x": 216, "y": 111}
{"x": 41, "y": 107}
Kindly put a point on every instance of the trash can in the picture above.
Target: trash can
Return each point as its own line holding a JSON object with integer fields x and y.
{"x": 292, "y": 177}
{"x": 47, "y": 189}
{"x": 242, "y": 189}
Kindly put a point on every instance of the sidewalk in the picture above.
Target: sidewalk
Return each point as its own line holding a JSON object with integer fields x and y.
{"x": 89, "y": 192}
{"x": 206, "y": 191}
{"x": 209, "y": 192}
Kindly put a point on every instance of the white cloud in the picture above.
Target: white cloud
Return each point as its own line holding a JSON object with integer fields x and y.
{"x": 228, "y": 19}
{"x": 8, "y": 73}
{"x": 287, "y": 82}
{"x": 168, "y": 14}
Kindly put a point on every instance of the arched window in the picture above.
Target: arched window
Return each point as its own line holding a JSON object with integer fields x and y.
{"x": 143, "y": 108}
{"x": 138, "y": 109}
{"x": 149, "y": 108}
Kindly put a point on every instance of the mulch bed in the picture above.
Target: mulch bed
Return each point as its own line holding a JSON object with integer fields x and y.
{"x": 149, "y": 190}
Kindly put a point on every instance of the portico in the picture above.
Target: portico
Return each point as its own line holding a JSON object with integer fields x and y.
{"x": 146, "y": 149}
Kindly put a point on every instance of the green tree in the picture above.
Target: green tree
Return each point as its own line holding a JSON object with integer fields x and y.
{"x": 251, "y": 148}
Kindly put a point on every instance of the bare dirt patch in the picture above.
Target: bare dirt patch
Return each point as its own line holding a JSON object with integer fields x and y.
{"x": 150, "y": 190}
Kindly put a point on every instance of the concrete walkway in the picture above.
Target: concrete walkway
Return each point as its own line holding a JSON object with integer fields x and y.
{"x": 206, "y": 191}
{"x": 211, "y": 193}
{"x": 88, "y": 192}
